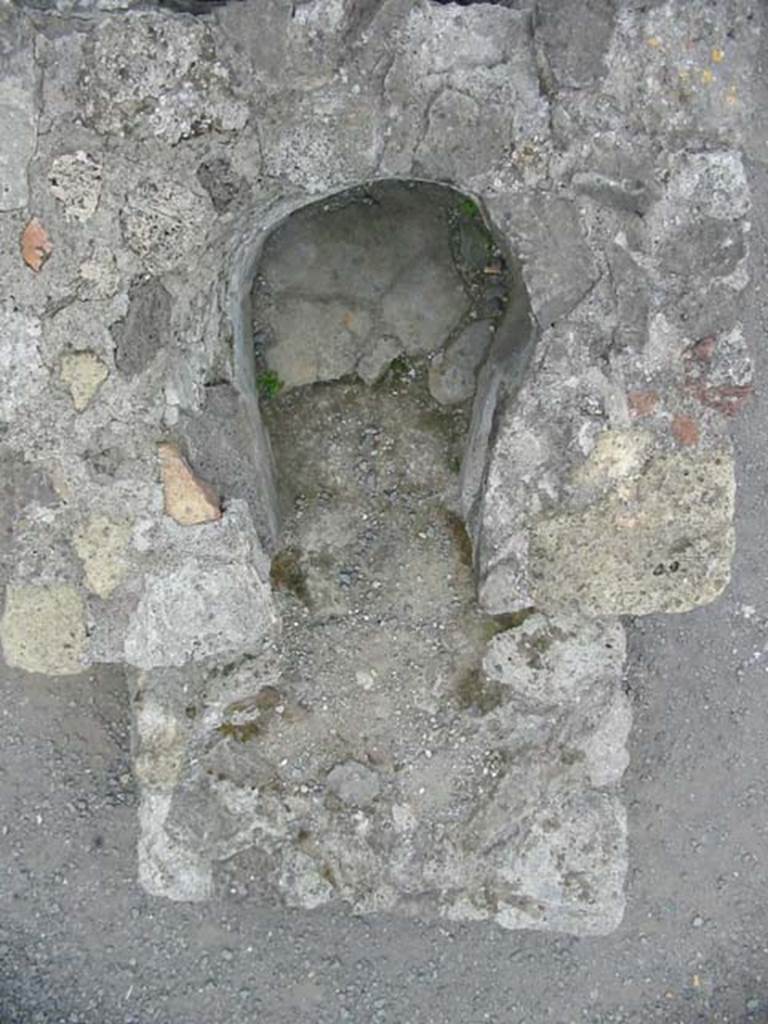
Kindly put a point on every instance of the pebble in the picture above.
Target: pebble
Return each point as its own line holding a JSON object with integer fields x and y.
{"x": 697, "y": 921}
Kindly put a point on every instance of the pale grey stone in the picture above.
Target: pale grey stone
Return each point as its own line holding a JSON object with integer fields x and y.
{"x": 559, "y": 268}
{"x": 75, "y": 180}
{"x": 317, "y": 341}
{"x": 374, "y": 362}
{"x": 22, "y": 370}
{"x": 354, "y": 783}
{"x": 546, "y": 664}
{"x": 591, "y": 829}
{"x": 453, "y": 372}
{"x": 18, "y": 117}
{"x": 423, "y": 307}
{"x": 196, "y": 611}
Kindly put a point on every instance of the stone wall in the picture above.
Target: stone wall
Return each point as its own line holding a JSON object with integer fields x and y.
{"x": 150, "y": 155}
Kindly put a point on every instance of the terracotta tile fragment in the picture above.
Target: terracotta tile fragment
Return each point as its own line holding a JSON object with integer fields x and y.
{"x": 188, "y": 499}
{"x": 685, "y": 430}
{"x": 726, "y": 399}
{"x": 642, "y": 403}
{"x": 36, "y": 246}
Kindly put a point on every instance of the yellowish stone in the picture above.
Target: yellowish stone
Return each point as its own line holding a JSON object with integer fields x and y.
{"x": 659, "y": 540}
{"x": 43, "y": 629}
{"x": 101, "y": 545}
{"x": 617, "y": 454}
{"x": 83, "y": 373}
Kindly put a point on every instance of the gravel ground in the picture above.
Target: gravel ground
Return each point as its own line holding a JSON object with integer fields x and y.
{"x": 79, "y": 942}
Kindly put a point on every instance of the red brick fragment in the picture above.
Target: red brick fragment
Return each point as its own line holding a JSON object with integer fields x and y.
{"x": 642, "y": 403}
{"x": 36, "y": 246}
{"x": 726, "y": 399}
{"x": 685, "y": 430}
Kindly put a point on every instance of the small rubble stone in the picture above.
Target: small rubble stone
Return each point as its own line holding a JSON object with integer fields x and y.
{"x": 146, "y": 328}
{"x": 373, "y": 364}
{"x": 75, "y": 180}
{"x": 101, "y": 545}
{"x": 99, "y": 276}
{"x": 163, "y": 222}
{"x": 83, "y": 373}
{"x": 685, "y": 430}
{"x": 642, "y": 403}
{"x": 354, "y": 784}
{"x": 188, "y": 500}
{"x": 43, "y": 629}
{"x": 21, "y": 366}
{"x": 424, "y": 306}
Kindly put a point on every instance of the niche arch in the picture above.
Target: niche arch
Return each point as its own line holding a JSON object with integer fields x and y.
{"x": 497, "y": 373}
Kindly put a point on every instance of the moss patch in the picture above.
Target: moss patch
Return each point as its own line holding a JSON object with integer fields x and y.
{"x": 287, "y": 573}
{"x": 475, "y": 691}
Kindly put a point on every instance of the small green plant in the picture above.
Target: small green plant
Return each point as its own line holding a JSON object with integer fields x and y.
{"x": 469, "y": 208}
{"x": 400, "y": 366}
{"x": 269, "y": 384}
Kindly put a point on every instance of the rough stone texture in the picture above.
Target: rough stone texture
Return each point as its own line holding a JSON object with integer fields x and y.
{"x": 146, "y": 328}
{"x": 20, "y": 363}
{"x": 43, "y": 629}
{"x": 75, "y": 180}
{"x": 473, "y": 814}
{"x": 153, "y": 77}
{"x": 607, "y": 157}
{"x": 163, "y": 222}
{"x": 660, "y": 538}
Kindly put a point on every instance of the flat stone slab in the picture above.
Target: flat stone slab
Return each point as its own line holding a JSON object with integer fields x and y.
{"x": 501, "y": 803}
